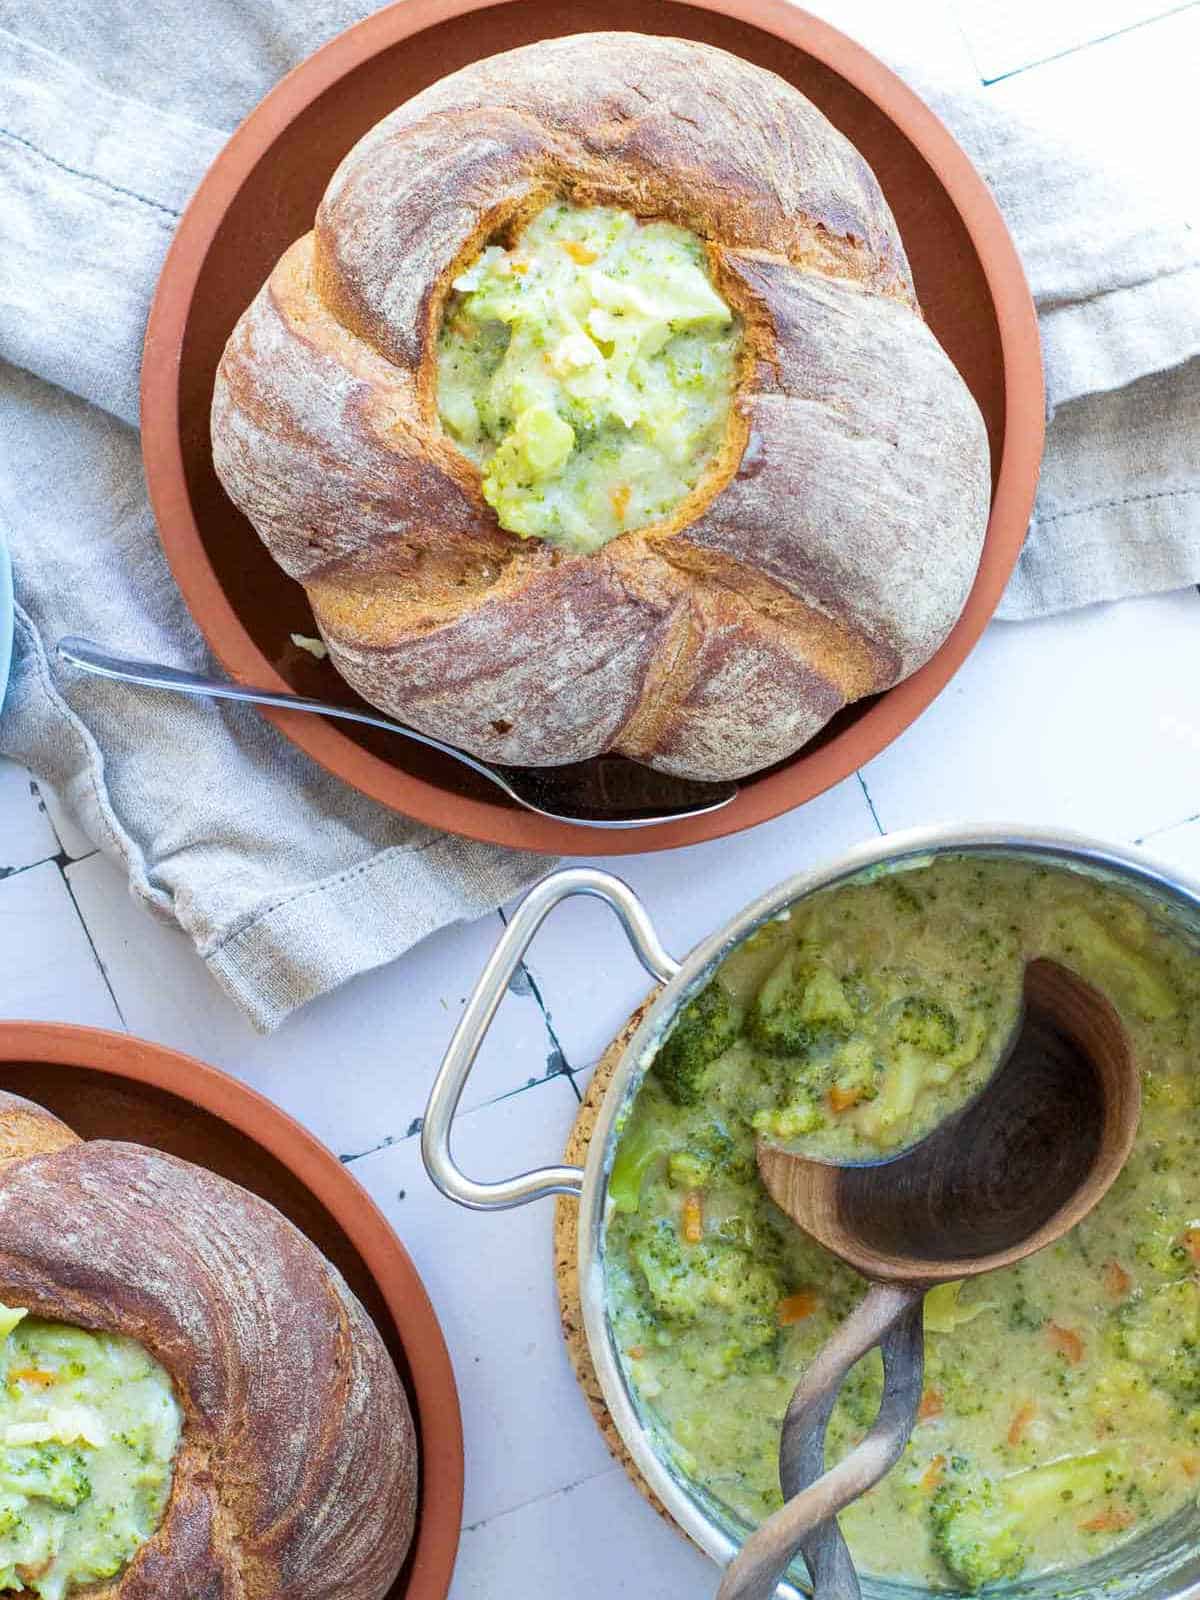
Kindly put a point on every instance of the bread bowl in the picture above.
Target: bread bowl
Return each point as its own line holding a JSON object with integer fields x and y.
{"x": 825, "y": 543}
{"x": 295, "y": 1467}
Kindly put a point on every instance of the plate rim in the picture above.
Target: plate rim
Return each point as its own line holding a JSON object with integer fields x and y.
{"x": 802, "y": 777}
{"x": 434, "y": 1388}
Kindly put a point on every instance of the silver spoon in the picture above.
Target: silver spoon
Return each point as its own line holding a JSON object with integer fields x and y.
{"x": 606, "y": 792}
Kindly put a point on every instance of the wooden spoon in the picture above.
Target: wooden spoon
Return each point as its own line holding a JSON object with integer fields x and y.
{"x": 1014, "y": 1170}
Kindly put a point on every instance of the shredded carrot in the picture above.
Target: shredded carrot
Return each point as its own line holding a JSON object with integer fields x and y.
{"x": 933, "y": 1473}
{"x": 1190, "y": 1240}
{"x": 636, "y": 1352}
{"x": 42, "y": 1380}
{"x": 620, "y": 501}
{"x": 932, "y": 1405}
{"x": 1066, "y": 1342}
{"x": 1190, "y": 1465}
{"x": 582, "y": 254}
{"x": 1117, "y": 1282}
{"x": 691, "y": 1221}
{"x": 842, "y": 1099}
{"x": 796, "y": 1307}
{"x": 1022, "y": 1417}
{"x": 1111, "y": 1520}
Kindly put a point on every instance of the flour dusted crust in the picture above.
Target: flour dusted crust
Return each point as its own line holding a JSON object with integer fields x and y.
{"x": 296, "y": 1474}
{"x": 827, "y": 553}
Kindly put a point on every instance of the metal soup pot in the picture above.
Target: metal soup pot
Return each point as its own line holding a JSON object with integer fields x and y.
{"x": 1163, "y": 1563}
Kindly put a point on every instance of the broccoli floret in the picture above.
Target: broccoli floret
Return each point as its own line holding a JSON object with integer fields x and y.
{"x": 982, "y": 1526}
{"x": 703, "y": 1031}
{"x": 800, "y": 1115}
{"x": 714, "y": 1284}
{"x": 711, "y": 1158}
{"x": 1160, "y": 1332}
{"x": 926, "y": 1024}
{"x": 975, "y": 1533}
{"x": 798, "y": 1004}
{"x": 47, "y": 1472}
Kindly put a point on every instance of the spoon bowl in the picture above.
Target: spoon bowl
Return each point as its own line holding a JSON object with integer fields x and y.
{"x": 1011, "y": 1172}
{"x": 1017, "y": 1167}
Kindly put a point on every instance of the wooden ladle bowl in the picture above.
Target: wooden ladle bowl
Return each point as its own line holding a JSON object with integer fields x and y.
{"x": 1013, "y": 1171}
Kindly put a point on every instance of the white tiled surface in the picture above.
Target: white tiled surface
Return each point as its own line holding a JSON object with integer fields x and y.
{"x": 1006, "y": 35}
{"x": 1090, "y": 721}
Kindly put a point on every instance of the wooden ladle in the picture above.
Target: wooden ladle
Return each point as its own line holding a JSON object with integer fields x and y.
{"x": 1013, "y": 1171}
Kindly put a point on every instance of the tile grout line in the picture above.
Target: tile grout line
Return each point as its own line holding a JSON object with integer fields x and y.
{"x": 556, "y": 1062}
{"x": 15, "y": 872}
{"x": 62, "y": 864}
{"x": 862, "y": 783}
{"x": 58, "y": 858}
{"x": 1088, "y": 44}
{"x": 547, "y": 1494}
{"x": 414, "y": 1128}
{"x": 1167, "y": 827}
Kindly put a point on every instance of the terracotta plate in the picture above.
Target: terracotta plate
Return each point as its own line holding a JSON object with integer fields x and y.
{"x": 262, "y": 192}
{"x": 109, "y": 1086}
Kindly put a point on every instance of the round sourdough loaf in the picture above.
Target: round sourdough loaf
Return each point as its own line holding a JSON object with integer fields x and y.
{"x": 296, "y": 1473}
{"x": 826, "y": 553}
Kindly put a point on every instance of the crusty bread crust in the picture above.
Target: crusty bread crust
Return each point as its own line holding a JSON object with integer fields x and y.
{"x": 296, "y": 1473}
{"x": 826, "y": 554}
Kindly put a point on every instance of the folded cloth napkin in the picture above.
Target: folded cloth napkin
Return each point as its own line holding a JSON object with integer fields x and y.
{"x": 287, "y": 882}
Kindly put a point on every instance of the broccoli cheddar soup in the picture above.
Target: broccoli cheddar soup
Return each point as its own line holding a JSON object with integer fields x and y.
{"x": 589, "y": 371}
{"x": 1061, "y": 1413}
{"x": 89, "y": 1426}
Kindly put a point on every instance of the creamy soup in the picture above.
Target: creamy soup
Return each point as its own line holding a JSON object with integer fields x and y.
{"x": 89, "y": 1426}
{"x": 1061, "y": 1413}
{"x": 589, "y": 371}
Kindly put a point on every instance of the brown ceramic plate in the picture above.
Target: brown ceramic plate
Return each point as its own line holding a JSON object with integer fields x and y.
{"x": 109, "y": 1086}
{"x": 262, "y": 192}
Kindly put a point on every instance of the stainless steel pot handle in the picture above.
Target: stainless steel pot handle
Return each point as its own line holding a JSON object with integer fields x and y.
{"x": 477, "y": 1019}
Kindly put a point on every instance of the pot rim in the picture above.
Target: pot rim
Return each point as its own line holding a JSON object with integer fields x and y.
{"x": 909, "y": 845}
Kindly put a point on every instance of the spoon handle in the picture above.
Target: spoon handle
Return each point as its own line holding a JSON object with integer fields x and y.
{"x": 889, "y": 1316}
{"x": 104, "y": 663}
{"x": 802, "y": 1450}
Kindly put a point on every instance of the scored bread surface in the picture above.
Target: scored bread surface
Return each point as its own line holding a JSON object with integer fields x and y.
{"x": 297, "y": 1468}
{"x": 826, "y": 554}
